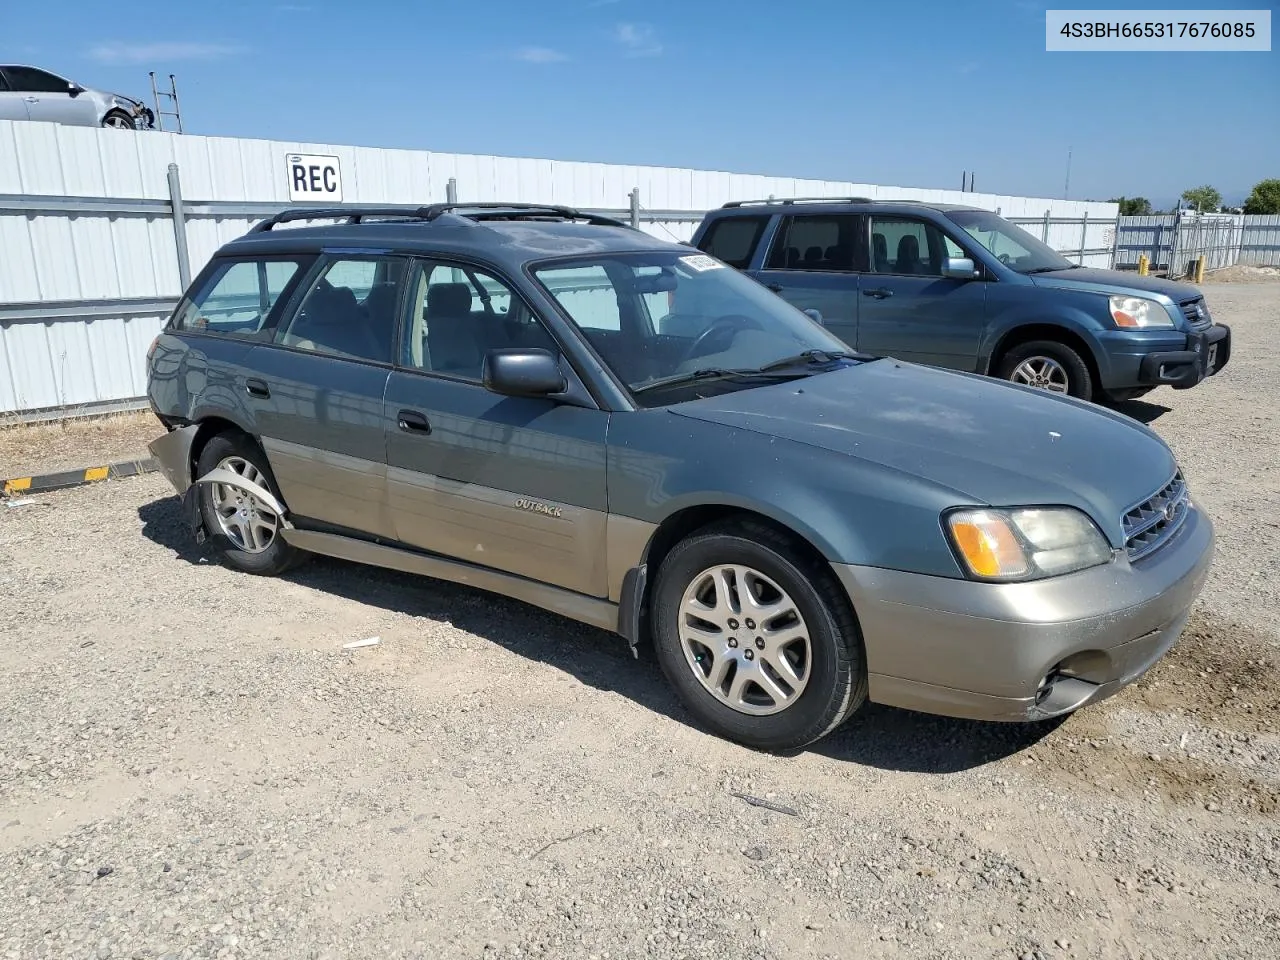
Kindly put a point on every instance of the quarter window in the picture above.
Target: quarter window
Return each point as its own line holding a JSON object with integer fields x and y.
{"x": 909, "y": 247}
{"x": 823, "y": 243}
{"x": 349, "y": 310}
{"x": 734, "y": 239}
{"x": 457, "y": 314}
{"x": 237, "y": 298}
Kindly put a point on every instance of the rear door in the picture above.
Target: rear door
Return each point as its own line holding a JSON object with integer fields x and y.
{"x": 512, "y": 483}
{"x": 13, "y": 105}
{"x": 48, "y": 97}
{"x": 812, "y": 264}
{"x": 907, "y": 309}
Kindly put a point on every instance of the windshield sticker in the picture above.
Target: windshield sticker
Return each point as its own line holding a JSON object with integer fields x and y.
{"x": 701, "y": 263}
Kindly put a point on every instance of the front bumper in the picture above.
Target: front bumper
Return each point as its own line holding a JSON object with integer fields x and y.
{"x": 1207, "y": 352}
{"x": 1025, "y": 651}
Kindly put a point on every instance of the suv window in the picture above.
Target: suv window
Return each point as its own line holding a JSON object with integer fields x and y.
{"x": 31, "y": 80}
{"x": 458, "y": 314}
{"x": 349, "y": 310}
{"x": 734, "y": 239}
{"x": 908, "y": 247}
{"x": 815, "y": 243}
{"x": 237, "y": 297}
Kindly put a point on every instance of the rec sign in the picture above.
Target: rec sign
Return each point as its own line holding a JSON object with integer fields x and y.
{"x": 314, "y": 177}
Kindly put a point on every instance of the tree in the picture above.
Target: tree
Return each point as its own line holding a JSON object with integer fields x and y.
{"x": 1205, "y": 199}
{"x": 1133, "y": 206}
{"x": 1265, "y": 197}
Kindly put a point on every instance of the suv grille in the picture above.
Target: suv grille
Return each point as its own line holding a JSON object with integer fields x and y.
{"x": 1196, "y": 312}
{"x": 1150, "y": 524}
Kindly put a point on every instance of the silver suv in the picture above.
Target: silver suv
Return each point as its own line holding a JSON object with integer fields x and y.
{"x": 28, "y": 93}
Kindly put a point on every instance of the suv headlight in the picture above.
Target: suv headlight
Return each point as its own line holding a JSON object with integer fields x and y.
{"x": 1139, "y": 313}
{"x": 1026, "y": 543}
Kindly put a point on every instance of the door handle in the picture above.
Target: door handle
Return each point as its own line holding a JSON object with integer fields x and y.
{"x": 257, "y": 388}
{"x": 31, "y": 99}
{"x": 879, "y": 293}
{"x": 411, "y": 421}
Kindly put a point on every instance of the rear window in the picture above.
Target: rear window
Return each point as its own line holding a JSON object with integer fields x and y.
{"x": 734, "y": 239}
{"x": 237, "y": 297}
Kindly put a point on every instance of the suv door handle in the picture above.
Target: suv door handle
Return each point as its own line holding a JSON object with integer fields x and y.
{"x": 411, "y": 421}
{"x": 879, "y": 293}
{"x": 257, "y": 388}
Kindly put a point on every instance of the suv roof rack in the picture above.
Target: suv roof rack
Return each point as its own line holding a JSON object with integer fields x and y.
{"x": 472, "y": 211}
{"x": 788, "y": 200}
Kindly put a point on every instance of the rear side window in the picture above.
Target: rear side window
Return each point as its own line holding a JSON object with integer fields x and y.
{"x": 734, "y": 239}
{"x": 823, "y": 243}
{"x": 237, "y": 297}
{"x": 350, "y": 309}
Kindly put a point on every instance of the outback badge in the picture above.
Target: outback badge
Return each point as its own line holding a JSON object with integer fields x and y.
{"x": 535, "y": 506}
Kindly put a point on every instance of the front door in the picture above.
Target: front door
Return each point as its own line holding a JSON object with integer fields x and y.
{"x": 907, "y": 308}
{"x": 49, "y": 97}
{"x": 13, "y": 105}
{"x": 512, "y": 483}
{"x": 811, "y": 265}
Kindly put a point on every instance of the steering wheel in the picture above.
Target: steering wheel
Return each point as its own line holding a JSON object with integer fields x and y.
{"x": 722, "y": 328}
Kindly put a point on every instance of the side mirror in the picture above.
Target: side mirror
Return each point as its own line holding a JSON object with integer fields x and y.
{"x": 958, "y": 268}
{"x": 74, "y": 88}
{"x": 814, "y": 315}
{"x": 519, "y": 372}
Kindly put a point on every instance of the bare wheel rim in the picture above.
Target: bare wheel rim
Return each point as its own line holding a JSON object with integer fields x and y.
{"x": 1045, "y": 373}
{"x": 745, "y": 640}
{"x": 245, "y": 520}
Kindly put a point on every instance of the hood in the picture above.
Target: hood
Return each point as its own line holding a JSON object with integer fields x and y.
{"x": 1115, "y": 281}
{"x": 988, "y": 441}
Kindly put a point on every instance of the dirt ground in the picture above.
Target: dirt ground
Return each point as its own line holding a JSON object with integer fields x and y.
{"x": 191, "y": 766}
{"x": 27, "y": 449}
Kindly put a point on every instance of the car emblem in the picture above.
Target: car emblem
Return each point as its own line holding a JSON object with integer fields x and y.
{"x": 1170, "y": 511}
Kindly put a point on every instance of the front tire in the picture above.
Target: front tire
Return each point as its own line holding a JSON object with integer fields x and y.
{"x": 757, "y": 638}
{"x": 1048, "y": 365}
{"x": 244, "y": 529}
{"x": 118, "y": 120}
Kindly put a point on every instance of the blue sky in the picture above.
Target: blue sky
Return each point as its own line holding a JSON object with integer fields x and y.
{"x": 907, "y": 93}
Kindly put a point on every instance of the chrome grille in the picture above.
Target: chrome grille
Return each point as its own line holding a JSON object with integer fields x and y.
{"x": 1150, "y": 524}
{"x": 1196, "y": 312}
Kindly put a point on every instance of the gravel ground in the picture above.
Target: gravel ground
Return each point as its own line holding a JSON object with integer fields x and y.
{"x": 27, "y": 449}
{"x": 191, "y": 766}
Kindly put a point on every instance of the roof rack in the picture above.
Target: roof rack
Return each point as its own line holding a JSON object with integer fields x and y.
{"x": 788, "y": 200}
{"x": 472, "y": 211}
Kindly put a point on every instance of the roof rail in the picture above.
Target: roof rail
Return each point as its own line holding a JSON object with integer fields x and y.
{"x": 493, "y": 210}
{"x": 788, "y": 200}
{"x": 472, "y": 211}
{"x": 352, "y": 214}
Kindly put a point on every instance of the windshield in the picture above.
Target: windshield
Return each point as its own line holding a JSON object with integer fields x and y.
{"x": 1010, "y": 244}
{"x": 661, "y": 318}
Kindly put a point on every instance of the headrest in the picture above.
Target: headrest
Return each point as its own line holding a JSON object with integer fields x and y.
{"x": 449, "y": 299}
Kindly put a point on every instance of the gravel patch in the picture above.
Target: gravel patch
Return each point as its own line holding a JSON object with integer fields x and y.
{"x": 36, "y": 448}
{"x": 191, "y": 765}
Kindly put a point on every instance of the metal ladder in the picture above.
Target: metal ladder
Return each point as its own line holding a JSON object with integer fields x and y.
{"x": 171, "y": 94}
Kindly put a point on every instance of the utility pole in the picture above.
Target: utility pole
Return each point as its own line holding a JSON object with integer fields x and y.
{"x": 1066, "y": 190}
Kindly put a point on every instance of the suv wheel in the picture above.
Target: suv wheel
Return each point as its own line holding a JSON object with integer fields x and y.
{"x": 757, "y": 640}
{"x": 1048, "y": 365}
{"x": 244, "y": 528}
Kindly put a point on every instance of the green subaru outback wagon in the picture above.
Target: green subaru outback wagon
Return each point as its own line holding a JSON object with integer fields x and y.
{"x": 556, "y": 407}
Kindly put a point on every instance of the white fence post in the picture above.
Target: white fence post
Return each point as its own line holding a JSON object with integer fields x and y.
{"x": 179, "y": 227}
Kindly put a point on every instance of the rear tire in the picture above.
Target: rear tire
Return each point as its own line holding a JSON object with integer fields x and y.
{"x": 238, "y": 530}
{"x": 757, "y": 569}
{"x": 1048, "y": 365}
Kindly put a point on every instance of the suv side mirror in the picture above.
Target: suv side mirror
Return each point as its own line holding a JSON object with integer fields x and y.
{"x": 520, "y": 372}
{"x": 958, "y": 268}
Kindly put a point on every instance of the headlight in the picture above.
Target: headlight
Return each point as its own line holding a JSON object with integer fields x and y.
{"x": 1134, "y": 313}
{"x": 1026, "y": 544}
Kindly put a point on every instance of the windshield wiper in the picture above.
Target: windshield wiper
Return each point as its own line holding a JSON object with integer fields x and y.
{"x": 812, "y": 358}
{"x": 1069, "y": 266}
{"x": 713, "y": 373}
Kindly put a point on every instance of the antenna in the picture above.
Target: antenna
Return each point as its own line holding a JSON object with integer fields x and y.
{"x": 172, "y": 95}
{"x": 1066, "y": 190}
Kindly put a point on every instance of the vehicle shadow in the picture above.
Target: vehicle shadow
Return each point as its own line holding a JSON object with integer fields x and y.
{"x": 1141, "y": 410}
{"x": 876, "y": 736}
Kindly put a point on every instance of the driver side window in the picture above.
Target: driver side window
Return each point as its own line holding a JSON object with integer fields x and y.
{"x": 907, "y": 247}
